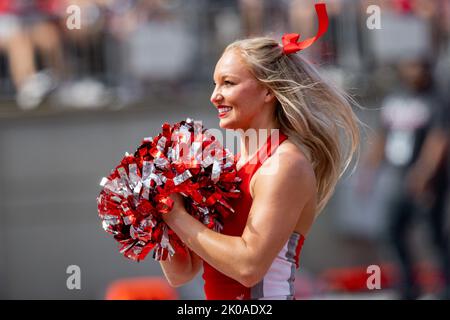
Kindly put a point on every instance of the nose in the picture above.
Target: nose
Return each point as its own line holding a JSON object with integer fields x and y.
{"x": 216, "y": 97}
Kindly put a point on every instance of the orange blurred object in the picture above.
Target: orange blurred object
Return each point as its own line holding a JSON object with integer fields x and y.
{"x": 145, "y": 288}
{"x": 354, "y": 279}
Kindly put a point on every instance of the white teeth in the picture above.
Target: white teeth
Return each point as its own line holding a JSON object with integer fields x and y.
{"x": 225, "y": 109}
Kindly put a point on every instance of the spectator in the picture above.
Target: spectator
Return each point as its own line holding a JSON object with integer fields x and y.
{"x": 412, "y": 122}
{"x": 26, "y": 29}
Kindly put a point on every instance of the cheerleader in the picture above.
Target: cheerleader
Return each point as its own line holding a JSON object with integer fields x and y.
{"x": 264, "y": 86}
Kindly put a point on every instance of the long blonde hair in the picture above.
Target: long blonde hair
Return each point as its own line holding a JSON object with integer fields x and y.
{"x": 314, "y": 114}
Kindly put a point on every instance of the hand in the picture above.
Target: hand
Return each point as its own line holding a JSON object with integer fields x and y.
{"x": 417, "y": 182}
{"x": 178, "y": 201}
{"x": 178, "y": 206}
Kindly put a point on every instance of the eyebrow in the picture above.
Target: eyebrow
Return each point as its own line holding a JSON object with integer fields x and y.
{"x": 227, "y": 75}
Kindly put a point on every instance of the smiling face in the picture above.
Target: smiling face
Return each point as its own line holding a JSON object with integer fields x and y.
{"x": 241, "y": 100}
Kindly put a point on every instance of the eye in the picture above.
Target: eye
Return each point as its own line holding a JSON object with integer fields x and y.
{"x": 228, "y": 82}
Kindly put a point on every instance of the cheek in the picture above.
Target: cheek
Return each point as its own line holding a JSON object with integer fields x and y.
{"x": 247, "y": 98}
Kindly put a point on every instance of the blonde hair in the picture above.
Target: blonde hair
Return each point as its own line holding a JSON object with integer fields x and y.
{"x": 313, "y": 113}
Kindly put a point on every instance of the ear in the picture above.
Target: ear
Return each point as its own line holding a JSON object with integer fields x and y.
{"x": 269, "y": 96}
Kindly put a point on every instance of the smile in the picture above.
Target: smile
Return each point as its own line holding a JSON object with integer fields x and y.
{"x": 224, "y": 110}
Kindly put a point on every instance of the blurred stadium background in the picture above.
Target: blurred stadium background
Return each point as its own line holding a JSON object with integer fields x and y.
{"x": 73, "y": 101}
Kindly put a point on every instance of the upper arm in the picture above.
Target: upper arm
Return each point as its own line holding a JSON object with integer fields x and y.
{"x": 279, "y": 198}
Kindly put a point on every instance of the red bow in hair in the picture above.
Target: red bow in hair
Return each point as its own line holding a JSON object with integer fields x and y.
{"x": 290, "y": 44}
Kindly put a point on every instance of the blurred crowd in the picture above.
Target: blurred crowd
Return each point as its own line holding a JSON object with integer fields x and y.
{"x": 107, "y": 58}
{"x": 125, "y": 50}
{"x": 76, "y": 51}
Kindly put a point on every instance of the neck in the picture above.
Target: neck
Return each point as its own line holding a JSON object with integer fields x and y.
{"x": 254, "y": 138}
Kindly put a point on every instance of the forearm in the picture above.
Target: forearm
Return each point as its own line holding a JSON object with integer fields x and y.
{"x": 178, "y": 268}
{"x": 227, "y": 254}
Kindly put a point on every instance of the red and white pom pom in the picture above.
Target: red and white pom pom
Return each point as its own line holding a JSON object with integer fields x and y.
{"x": 183, "y": 158}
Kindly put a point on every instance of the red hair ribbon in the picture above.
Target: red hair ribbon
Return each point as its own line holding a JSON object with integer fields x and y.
{"x": 290, "y": 44}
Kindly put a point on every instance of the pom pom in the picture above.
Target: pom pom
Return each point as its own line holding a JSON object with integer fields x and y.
{"x": 183, "y": 158}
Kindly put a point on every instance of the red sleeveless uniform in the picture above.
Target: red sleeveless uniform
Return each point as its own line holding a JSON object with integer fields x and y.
{"x": 278, "y": 283}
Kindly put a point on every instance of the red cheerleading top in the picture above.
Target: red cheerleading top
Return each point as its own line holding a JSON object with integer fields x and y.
{"x": 278, "y": 283}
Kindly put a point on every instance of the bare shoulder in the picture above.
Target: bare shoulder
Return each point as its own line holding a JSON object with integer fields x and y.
{"x": 285, "y": 183}
{"x": 288, "y": 158}
{"x": 289, "y": 166}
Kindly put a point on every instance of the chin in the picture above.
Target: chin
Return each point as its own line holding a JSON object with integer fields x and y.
{"x": 227, "y": 124}
{"x": 223, "y": 124}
